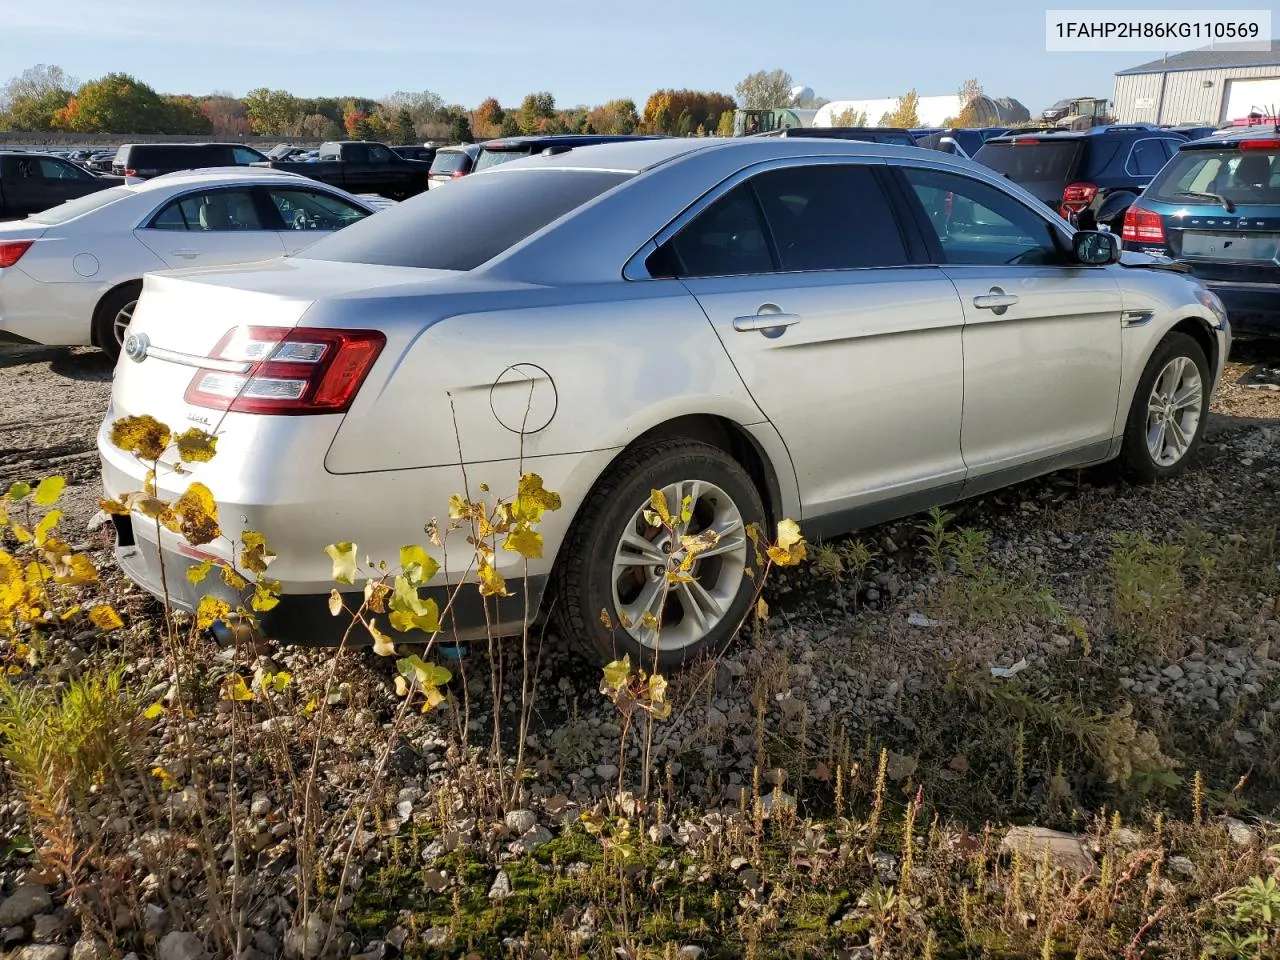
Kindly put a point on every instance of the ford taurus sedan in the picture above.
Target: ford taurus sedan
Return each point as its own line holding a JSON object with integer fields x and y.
{"x": 831, "y": 331}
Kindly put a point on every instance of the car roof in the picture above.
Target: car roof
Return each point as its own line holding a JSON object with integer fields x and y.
{"x": 1052, "y": 136}
{"x": 203, "y": 143}
{"x": 1229, "y": 138}
{"x": 219, "y": 176}
{"x": 565, "y": 139}
{"x": 637, "y": 156}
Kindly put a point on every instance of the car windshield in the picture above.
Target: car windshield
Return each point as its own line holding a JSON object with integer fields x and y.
{"x": 491, "y": 158}
{"x": 1241, "y": 176}
{"x": 468, "y": 224}
{"x": 1031, "y": 162}
{"x": 80, "y": 206}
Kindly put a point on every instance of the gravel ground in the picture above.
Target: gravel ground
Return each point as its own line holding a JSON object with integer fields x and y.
{"x": 838, "y": 657}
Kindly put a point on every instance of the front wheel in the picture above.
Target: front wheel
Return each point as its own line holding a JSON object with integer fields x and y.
{"x": 613, "y": 595}
{"x": 112, "y": 317}
{"x": 1170, "y": 407}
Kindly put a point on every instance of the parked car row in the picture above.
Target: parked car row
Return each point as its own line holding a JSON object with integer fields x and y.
{"x": 855, "y": 323}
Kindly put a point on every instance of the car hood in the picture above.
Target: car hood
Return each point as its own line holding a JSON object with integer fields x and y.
{"x": 1146, "y": 261}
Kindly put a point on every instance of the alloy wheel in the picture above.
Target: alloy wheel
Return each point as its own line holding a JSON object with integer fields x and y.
{"x": 657, "y": 612}
{"x": 121, "y": 321}
{"x": 1174, "y": 410}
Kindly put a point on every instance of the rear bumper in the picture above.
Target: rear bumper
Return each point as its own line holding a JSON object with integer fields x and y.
{"x": 1254, "y": 308}
{"x": 304, "y": 619}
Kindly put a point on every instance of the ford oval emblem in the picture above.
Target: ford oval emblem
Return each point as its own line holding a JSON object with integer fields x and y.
{"x": 135, "y": 346}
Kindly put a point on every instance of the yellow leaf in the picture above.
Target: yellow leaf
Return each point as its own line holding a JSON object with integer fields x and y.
{"x": 13, "y": 670}
{"x": 657, "y": 688}
{"x": 790, "y": 547}
{"x": 532, "y": 499}
{"x": 254, "y": 555}
{"x": 312, "y": 703}
{"x": 762, "y": 609}
{"x": 375, "y": 595}
{"x": 491, "y": 582}
{"x": 276, "y": 682}
{"x": 788, "y": 534}
{"x": 46, "y": 524}
{"x": 70, "y": 613}
{"x": 402, "y": 687}
{"x": 649, "y": 620}
{"x": 433, "y": 699}
{"x": 617, "y": 673}
{"x": 201, "y": 570}
{"x": 210, "y": 611}
{"x": 525, "y": 541}
{"x": 686, "y": 509}
{"x": 335, "y": 603}
{"x": 76, "y": 570}
{"x": 235, "y": 689}
{"x": 196, "y": 446}
{"x": 115, "y": 507}
{"x": 153, "y": 711}
{"x": 22, "y": 534}
{"x": 417, "y": 565}
{"x": 660, "y": 709}
{"x": 699, "y": 542}
{"x": 232, "y": 579}
{"x": 18, "y": 491}
{"x": 605, "y": 619}
{"x": 658, "y": 500}
{"x": 383, "y": 645}
{"x": 143, "y": 436}
{"x": 343, "y": 556}
{"x": 105, "y": 618}
{"x": 266, "y": 595}
{"x": 154, "y": 509}
{"x": 49, "y": 490}
{"x": 197, "y": 515}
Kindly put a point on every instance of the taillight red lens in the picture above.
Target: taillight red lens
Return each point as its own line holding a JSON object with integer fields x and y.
{"x": 291, "y": 371}
{"x": 1142, "y": 225}
{"x": 456, "y": 174}
{"x": 11, "y": 253}
{"x": 1077, "y": 196}
{"x": 1260, "y": 144}
{"x": 130, "y": 172}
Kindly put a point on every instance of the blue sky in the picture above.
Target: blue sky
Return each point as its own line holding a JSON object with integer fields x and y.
{"x": 583, "y": 52}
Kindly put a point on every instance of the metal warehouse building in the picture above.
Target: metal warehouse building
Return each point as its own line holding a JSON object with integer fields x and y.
{"x": 1210, "y": 86}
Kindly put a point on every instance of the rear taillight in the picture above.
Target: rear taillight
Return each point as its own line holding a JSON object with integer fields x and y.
{"x": 130, "y": 172}
{"x": 456, "y": 174}
{"x": 1141, "y": 225}
{"x": 11, "y": 253}
{"x": 289, "y": 371}
{"x": 1077, "y": 196}
{"x": 1260, "y": 144}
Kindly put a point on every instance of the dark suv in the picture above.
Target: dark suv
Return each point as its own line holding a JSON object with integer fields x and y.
{"x": 1089, "y": 176}
{"x": 494, "y": 152}
{"x": 1216, "y": 209}
{"x": 146, "y": 160}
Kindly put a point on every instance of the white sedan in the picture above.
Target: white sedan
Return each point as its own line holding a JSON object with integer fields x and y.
{"x": 70, "y": 275}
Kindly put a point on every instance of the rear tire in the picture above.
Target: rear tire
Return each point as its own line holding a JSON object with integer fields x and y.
{"x": 603, "y": 564}
{"x": 1170, "y": 408}
{"x": 112, "y": 317}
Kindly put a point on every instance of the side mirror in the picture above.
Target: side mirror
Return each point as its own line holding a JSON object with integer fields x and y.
{"x": 1093, "y": 248}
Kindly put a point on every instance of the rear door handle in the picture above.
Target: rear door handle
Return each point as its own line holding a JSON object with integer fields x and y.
{"x": 187, "y": 254}
{"x": 762, "y": 322}
{"x": 997, "y": 300}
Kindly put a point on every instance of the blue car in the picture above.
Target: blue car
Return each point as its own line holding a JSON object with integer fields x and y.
{"x": 1215, "y": 207}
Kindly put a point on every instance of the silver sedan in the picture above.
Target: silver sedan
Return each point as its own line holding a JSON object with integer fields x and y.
{"x": 831, "y": 331}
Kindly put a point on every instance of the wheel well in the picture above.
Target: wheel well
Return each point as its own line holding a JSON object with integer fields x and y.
{"x": 97, "y": 310}
{"x": 1198, "y": 331}
{"x": 733, "y": 440}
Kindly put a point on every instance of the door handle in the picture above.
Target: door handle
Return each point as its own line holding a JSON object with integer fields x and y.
{"x": 765, "y": 321}
{"x": 997, "y": 301}
{"x": 187, "y": 254}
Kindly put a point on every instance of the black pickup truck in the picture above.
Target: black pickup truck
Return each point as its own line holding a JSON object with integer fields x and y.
{"x": 31, "y": 182}
{"x": 361, "y": 166}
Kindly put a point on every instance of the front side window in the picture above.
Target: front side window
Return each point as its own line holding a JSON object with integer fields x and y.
{"x": 58, "y": 170}
{"x": 379, "y": 154}
{"x": 314, "y": 210}
{"x": 213, "y": 211}
{"x": 976, "y": 224}
{"x": 244, "y": 155}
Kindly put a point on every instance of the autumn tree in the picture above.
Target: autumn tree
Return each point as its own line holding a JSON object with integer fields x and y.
{"x": 227, "y": 115}
{"x": 402, "y": 129}
{"x": 271, "y": 112}
{"x": 486, "y": 119}
{"x": 906, "y": 115}
{"x": 765, "y": 89}
{"x": 681, "y": 112}
{"x": 458, "y": 121}
{"x": 614, "y": 117}
{"x": 29, "y": 101}
{"x": 850, "y": 118}
{"x": 536, "y": 110}
{"x": 725, "y": 127}
{"x": 970, "y": 115}
{"x": 186, "y": 116}
{"x": 116, "y": 103}
{"x": 424, "y": 108}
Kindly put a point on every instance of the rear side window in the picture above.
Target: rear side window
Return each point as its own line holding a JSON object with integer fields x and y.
{"x": 1146, "y": 158}
{"x": 1241, "y": 176}
{"x": 469, "y": 224}
{"x": 1039, "y": 161}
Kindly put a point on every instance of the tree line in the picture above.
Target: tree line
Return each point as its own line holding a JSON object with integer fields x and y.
{"x": 44, "y": 98}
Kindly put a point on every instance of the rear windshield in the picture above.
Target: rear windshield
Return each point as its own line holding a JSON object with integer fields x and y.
{"x": 450, "y": 161}
{"x": 469, "y": 224}
{"x": 149, "y": 156}
{"x": 491, "y": 158}
{"x": 81, "y": 205}
{"x": 1031, "y": 162}
{"x": 1243, "y": 177}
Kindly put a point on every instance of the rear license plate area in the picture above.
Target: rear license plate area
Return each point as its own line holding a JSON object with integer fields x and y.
{"x": 1227, "y": 246}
